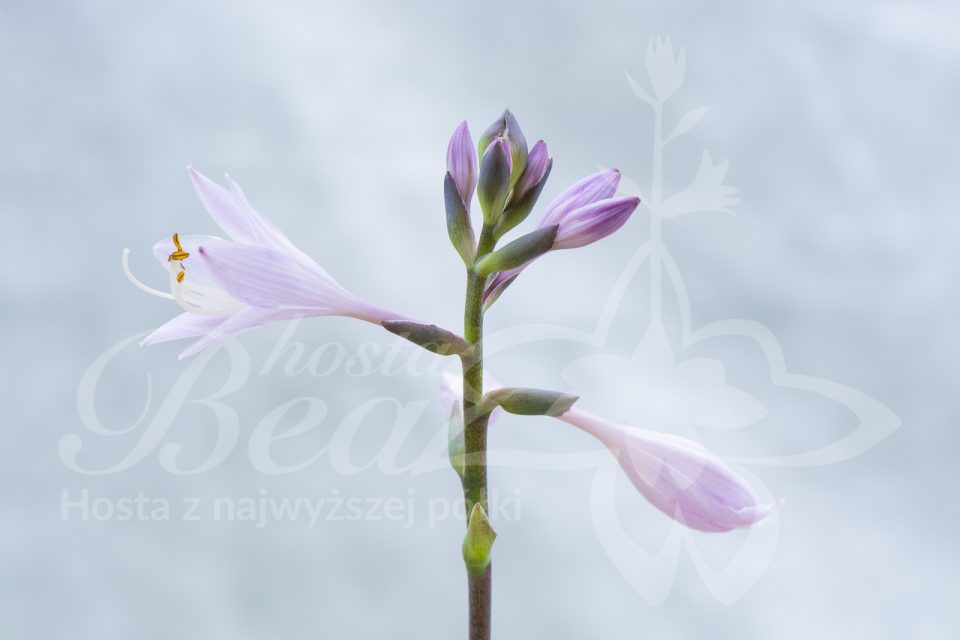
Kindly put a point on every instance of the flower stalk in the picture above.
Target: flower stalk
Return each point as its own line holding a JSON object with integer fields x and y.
{"x": 475, "y": 420}
{"x": 258, "y": 275}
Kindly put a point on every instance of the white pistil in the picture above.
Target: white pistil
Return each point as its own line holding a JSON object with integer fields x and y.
{"x": 125, "y": 261}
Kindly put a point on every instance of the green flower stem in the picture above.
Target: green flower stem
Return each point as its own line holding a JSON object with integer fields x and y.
{"x": 475, "y": 431}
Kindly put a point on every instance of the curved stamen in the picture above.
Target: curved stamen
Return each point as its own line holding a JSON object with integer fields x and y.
{"x": 125, "y": 261}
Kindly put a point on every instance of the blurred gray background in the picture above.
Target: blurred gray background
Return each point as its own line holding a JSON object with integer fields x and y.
{"x": 839, "y": 123}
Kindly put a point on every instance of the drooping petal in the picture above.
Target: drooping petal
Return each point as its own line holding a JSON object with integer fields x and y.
{"x": 185, "y": 325}
{"x": 246, "y": 319}
{"x": 678, "y": 476}
{"x": 598, "y": 186}
{"x": 462, "y": 162}
{"x": 594, "y": 221}
{"x": 263, "y": 277}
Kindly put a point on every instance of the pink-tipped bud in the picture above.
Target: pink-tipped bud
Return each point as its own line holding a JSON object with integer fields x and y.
{"x": 462, "y": 162}
{"x": 594, "y": 222}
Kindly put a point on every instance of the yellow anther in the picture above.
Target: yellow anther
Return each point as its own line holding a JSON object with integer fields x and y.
{"x": 180, "y": 276}
{"x": 179, "y": 254}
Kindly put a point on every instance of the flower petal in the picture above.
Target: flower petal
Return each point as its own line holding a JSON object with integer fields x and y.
{"x": 263, "y": 277}
{"x": 223, "y": 207}
{"x": 246, "y": 319}
{"x": 689, "y": 484}
{"x": 594, "y": 222}
{"x": 598, "y": 186}
{"x": 185, "y": 325}
{"x": 269, "y": 235}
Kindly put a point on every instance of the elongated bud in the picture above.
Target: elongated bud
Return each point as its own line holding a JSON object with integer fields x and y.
{"x": 520, "y": 251}
{"x": 530, "y": 402}
{"x": 527, "y": 191}
{"x": 594, "y": 222}
{"x": 678, "y": 476}
{"x": 459, "y": 227}
{"x": 518, "y": 146}
{"x": 494, "y": 185}
{"x": 536, "y": 168}
{"x": 429, "y": 336}
{"x": 599, "y": 186}
{"x": 462, "y": 163}
{"x": 493, "y": 132}
{"x": 478, "y": 541}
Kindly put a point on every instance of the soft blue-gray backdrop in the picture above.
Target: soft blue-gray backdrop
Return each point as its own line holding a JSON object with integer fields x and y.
{"x": 839, "y": 123}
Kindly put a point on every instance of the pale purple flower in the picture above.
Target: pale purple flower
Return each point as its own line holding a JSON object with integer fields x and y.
{"x": 584, "y": 213}
{"x": 462, "y": 162}
{"x": 678, "y": 476}
{"x": 255, "y": 277}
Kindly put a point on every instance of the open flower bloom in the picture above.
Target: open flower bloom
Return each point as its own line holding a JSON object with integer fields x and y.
{"x": 584, "y": 213}
{"x": 677, "y": 476}
{"x": 255, "y": 277}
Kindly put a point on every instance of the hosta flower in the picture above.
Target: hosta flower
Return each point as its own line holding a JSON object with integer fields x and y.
{"x": 255, "y": 277}
{"x": 677, "y": 476}
{"x": 584, "y": 213}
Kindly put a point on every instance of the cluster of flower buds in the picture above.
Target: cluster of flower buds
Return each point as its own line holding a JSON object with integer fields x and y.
{"x": 508, "y": 178}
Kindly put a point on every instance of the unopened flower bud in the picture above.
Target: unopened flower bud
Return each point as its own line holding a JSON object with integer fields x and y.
{"x": 527, "y": 190}
{"x": 462, "y": 163}
{"x": 478, "y": 541}
{"x": 506, "y": 126}
{"x": 459, "y": 227}
{"x": 494, "y": 185}
{"x": 678, "y": 476}
{"x": 594, "y": 222}
{"x": 593, "y": 188}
